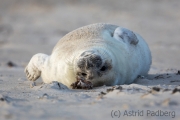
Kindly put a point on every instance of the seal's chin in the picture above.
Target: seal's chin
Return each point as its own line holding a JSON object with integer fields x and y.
{"x": 91, "y": 66}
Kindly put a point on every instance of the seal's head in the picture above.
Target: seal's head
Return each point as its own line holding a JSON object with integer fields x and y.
{"x": 94, "y": 66}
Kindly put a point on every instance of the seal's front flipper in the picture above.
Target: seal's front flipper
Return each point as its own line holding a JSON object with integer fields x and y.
{"x": 34, "y": 68}
{"x": 125, "y": 35}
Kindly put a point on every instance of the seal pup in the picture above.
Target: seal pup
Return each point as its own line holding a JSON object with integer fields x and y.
{"x": 101, "y": 54}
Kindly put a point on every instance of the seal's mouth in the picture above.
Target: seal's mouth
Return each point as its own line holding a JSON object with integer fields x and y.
{"x": 82, "y": 84}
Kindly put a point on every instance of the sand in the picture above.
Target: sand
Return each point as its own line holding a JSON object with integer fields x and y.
{"x": 28, "y": 27}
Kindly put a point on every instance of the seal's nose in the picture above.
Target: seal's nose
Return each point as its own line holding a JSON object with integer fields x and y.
{"x": 86, "y": 76}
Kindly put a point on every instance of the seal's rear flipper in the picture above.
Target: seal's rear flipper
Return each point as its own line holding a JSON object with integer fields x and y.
{"x": 125, "y": 35}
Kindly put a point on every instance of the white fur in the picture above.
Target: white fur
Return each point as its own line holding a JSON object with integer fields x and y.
{"x": 129, "y": 55}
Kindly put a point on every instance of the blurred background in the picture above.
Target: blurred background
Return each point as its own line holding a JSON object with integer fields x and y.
{"x": 28, "y": 27}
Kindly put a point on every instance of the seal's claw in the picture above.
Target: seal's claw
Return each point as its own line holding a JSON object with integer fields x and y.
{"x": 32, "y": 73}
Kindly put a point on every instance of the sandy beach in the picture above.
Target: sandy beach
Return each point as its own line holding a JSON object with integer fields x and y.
{"x": 28, "y": 27}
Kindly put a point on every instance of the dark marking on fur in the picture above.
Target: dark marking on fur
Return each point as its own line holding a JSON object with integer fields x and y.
{"x": 89, "y": 61}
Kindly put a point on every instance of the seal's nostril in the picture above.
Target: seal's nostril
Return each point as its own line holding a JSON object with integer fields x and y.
{"x": 84, "y": 74}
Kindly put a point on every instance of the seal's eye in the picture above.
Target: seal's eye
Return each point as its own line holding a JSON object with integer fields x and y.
{"x": 103, "y": 68}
